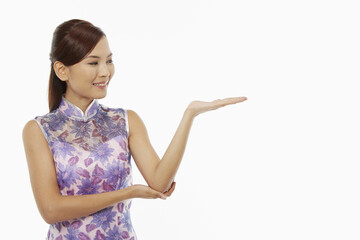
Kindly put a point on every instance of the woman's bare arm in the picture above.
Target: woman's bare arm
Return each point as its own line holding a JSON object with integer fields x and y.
{"x": 159, "y": 174}
{"x": 52, "y": 205}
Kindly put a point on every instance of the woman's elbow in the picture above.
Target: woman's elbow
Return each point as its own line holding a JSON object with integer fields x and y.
{"x": 160, "y": 187}
{"x": 48, "y": 219}
{"x": 48, "y": 213}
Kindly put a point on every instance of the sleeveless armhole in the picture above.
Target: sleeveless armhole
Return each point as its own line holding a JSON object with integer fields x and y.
{"x": 127, "y": 122}
{"x": 42, "y": 129}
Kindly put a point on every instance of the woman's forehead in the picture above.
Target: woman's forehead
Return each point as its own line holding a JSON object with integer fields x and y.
{"x": 101, "y": 49}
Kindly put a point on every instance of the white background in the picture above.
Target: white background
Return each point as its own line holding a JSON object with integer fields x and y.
{"x": 282, "y": 165}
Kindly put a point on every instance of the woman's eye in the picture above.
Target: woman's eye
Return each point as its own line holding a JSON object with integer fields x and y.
{"x": 95, "y": 63}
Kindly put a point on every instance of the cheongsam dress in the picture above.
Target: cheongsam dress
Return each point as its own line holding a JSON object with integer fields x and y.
{"x": 91, "y": 155}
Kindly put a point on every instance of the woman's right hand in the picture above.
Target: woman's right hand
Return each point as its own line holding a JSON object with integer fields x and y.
{"x": 143, "y": 191}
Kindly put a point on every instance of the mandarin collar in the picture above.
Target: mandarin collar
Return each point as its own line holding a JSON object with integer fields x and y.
{"x": 75, "y": 112}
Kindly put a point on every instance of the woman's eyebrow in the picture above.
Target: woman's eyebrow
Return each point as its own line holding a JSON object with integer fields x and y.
{"x": 94, "y": 56}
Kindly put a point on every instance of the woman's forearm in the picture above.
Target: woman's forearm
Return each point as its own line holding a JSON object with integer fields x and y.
{"x": 166, "y": 169}
{"x": 61, "y": 208}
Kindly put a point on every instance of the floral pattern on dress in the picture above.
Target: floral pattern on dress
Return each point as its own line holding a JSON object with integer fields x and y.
{"x": 91, "y": 155}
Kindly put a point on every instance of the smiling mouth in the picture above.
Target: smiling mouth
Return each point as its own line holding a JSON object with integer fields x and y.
{"x": 101, "y": 84}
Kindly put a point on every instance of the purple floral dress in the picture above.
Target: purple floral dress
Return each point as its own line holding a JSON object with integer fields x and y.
{"x": 91, "y": 155}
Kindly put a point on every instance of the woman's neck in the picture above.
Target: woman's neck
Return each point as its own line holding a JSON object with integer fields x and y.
{"x": 80, "y": 102}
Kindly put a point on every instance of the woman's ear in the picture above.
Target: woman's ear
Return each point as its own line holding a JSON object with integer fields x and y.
{"x": 60, "y": 71}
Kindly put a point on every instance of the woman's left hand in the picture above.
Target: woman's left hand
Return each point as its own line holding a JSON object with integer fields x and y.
{"x": 197, "y": 107}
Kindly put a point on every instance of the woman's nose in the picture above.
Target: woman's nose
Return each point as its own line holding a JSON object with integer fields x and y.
{"x": 104, "y": 70}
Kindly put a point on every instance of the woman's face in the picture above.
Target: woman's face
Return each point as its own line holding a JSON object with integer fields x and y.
{"x": 90, "y": 78}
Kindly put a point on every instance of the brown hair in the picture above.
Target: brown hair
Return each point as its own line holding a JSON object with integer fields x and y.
{"x": 72, "y": 41}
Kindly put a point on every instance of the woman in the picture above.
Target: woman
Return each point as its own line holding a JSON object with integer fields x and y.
{"x": 79, "y": 153}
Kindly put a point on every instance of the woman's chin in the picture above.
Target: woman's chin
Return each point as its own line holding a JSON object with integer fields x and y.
{"x": 100, "y": 95}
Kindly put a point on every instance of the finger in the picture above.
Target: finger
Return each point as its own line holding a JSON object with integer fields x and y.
{"x": 161, "y": 195}
{"x": 155, "y": 194}
{"x": 171, "y": 186}
{"x": 233, "y": 100}
{"x": 171, "y": 190}
{"x": 228, "y": 101}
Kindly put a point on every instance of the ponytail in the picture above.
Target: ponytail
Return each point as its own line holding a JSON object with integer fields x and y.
{"x": 56, "y": 89}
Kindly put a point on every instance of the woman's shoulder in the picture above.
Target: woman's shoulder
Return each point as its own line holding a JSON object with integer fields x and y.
{"x": 113, "y": 110}
{"x": 38, "y": 119}
{"x": 42, "y": 123}
{"x": 132, "y": 115}
{"x": 45, "y": 117}
{"x": 30, "y": 125}
{"x": 135, "y": 122}
{"x": 31, "y": 128}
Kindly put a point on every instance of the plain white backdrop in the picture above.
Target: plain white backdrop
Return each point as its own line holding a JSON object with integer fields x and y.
{"x": 282, "y": 165}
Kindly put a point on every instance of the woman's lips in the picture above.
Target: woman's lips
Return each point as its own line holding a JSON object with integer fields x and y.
{"x": 101, "y": 85}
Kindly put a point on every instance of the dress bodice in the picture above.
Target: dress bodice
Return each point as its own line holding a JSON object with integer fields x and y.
{"x": 91, "y": 155}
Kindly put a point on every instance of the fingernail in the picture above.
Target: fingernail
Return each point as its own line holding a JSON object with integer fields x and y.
{"x": 163, "y": 197}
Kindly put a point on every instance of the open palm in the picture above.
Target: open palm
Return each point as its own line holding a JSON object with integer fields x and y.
{"x": 197, "y": 107}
